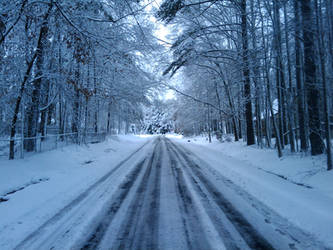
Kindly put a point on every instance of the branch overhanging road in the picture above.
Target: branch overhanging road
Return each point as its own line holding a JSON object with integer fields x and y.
{"x": 170, "y": 199}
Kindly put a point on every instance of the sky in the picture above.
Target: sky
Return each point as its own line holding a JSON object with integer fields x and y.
{"x": 162, "y": 32}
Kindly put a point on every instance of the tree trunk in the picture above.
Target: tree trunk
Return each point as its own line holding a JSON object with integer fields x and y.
{"x": 209, "y": 125}
{"x": 232, "y": 108}
{"x": 108, "y": 125}
{"x": 220, "y": 128}
{"x": 76, "y": 108}
{"x": 290, "y": 95}
{"x": 62, "y": 108}
{"x": 246, "y": 75}
{"x": 299, "y": 81}
{"x": 321, "y": 47}
{"x": 43, "y": 116}
{"x": 256, "y": 78}
{"x": 33, "y": 113}
{"x": 280, "y": 79}
{"x": 96, "y": 98}
{"x": 278, "y": 141}
{"x": 311, "y": 85}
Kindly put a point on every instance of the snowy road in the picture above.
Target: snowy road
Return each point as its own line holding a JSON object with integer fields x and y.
{"x": 170, "y": 199}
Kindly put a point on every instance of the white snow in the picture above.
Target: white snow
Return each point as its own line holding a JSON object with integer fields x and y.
{"x": 51, "y": 180}
{"x": 276, "y": 182}
{"x": 296, "y": 189}
{"x": 172, "y": 135}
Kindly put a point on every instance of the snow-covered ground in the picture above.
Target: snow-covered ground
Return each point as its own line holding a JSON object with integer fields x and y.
{"x": 297, "y": 187}
{"x": 33, "y": 189}
{"x": 193, "y": 193}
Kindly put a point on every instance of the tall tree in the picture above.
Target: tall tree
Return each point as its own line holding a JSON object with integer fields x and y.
{"x": 246, "y": 74}
{"x": 310, "y": 80}
{"x": 299, "y": 79}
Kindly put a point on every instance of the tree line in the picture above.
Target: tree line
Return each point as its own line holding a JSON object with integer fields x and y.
{"x": 259, "y": 69}
{"x": 73, "y": 66}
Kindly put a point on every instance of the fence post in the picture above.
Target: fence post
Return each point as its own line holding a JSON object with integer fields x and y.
{"x": 22, "y": 147}
{"x": 22, "y": 129}
{"x": 35, "y": 144}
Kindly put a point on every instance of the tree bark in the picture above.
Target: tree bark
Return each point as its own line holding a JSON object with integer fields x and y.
{"x": 321, "y": 48}
{"x": 311, "y": 84}
{"x": 246, "y": 75}
{"x": 299, "y": 81}
{"x": 290, "y": 95}
{"x": 280, "y": 78}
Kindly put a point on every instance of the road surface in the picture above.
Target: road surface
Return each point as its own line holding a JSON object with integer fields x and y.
{"x": 169, "y": 199}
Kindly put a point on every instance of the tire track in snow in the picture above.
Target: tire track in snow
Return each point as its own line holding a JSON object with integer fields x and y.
{"x": 123, "y": 190}
{"x": 153, "y": 204}
{"x": 283, "y": 234}
{"x": 42, "y": 236}
{"x": 253, "y": 239}
{"x": 192, "y": 232}
{"x": 223, "y": 233}
{"x": 133, "y": 232}
{"x": 138, "y": 227}
{"x": 127, "y": 237}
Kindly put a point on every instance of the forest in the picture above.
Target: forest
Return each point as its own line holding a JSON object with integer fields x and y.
{"x": 259, "y": 70}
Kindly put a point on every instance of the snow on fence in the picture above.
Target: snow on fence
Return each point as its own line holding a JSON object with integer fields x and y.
{"x": 41, "y": 143}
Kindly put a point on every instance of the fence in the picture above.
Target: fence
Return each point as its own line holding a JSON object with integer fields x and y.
{"x": 29, "y": 145}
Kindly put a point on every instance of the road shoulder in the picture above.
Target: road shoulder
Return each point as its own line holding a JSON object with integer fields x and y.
{"x": 306, "y": 208}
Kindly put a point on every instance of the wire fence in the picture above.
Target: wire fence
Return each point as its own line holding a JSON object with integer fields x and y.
{"x": 30, "y": 145}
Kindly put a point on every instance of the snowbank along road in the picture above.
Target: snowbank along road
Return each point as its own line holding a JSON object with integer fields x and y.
{"x": 169, "y": 199}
